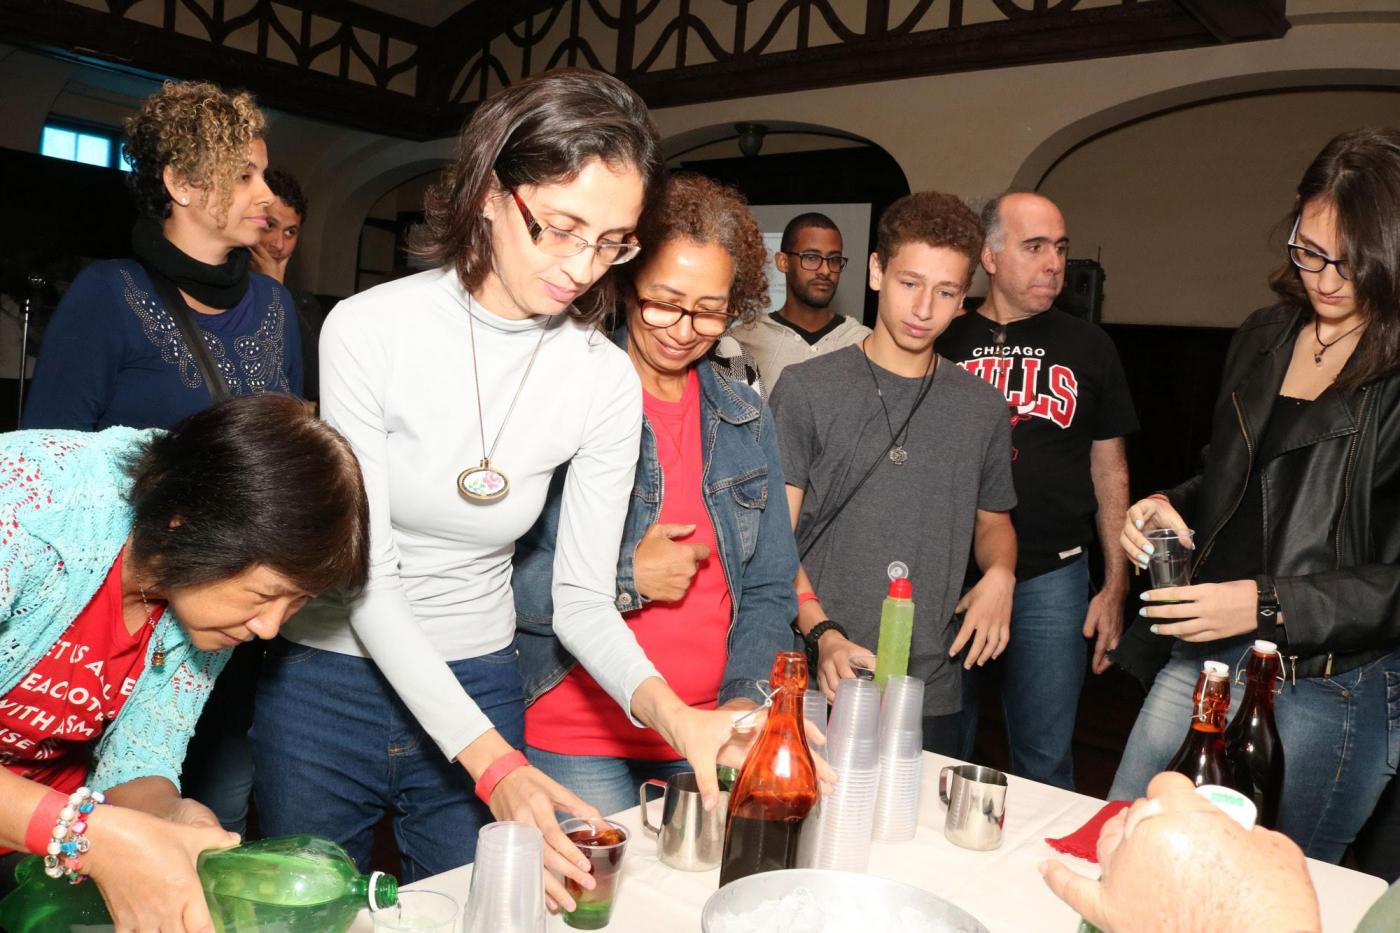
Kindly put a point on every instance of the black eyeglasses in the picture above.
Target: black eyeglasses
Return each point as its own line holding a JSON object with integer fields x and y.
{"x": 813, "y": 261}
{"x": 707, "y": 323}
{"x": 563, "y": 245}
{"x": 1310, "y": 260}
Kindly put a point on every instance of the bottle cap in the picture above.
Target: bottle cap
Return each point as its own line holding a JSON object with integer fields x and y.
{"x": 1217, "y": 669}
{"x": 897, "y": 570}
{"x": 1235, "y": 805}
{"x": 1265, "y": 647}
{"x": 901, "y": 588}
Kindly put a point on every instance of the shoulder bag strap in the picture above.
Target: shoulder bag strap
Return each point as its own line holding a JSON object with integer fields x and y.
{"x": 194, "y": 339}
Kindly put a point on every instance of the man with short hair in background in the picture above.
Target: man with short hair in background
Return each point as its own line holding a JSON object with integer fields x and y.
{"x": 273, "y": 251}
{"x": 805, "y": 326}
{"x": 1069, "y": 409}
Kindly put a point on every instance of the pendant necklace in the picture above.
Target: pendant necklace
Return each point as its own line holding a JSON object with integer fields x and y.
{"x": 485, "y": 483}
{"x": 898, "y": 455}
{"x": 158, "y": 656}
{"x": 1317, "y": 333}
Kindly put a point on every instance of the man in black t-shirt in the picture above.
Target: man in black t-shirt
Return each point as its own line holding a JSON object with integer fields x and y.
{"x": 1069, "y": 409}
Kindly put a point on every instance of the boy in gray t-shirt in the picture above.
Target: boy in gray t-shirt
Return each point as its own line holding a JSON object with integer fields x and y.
{"x": 890, "y": 453}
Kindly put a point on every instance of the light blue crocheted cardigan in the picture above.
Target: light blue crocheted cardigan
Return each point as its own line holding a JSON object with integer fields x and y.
{"x": 64, "y": 517}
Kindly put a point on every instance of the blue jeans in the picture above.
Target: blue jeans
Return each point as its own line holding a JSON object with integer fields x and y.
{"x": 610, "y": 784}
{"x": 334, "y": 747}
{"x": 1340, "y": 734}
{"x": 1043, "y": 671}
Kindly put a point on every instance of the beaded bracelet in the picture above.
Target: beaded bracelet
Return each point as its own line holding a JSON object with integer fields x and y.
{"x": 69, "y": 840}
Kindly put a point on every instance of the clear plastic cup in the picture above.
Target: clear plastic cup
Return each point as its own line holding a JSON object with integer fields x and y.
{"x": 507, "y": 887}
{"x": 603, "y": 843}
{"x": 814, "y": 711}
{"x": 852, "y": 737}
{"x": 902, "y": 718}
{"x": 897, "y": 799}
{"x": 418, "y": 912}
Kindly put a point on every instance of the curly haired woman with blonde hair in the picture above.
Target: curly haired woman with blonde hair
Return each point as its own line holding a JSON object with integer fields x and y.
{"x": 124, "y": 347}
{"x": 705, "y": 577}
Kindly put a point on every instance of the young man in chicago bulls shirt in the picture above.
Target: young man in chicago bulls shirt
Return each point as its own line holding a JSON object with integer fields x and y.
{"x": 1069, "y": 409}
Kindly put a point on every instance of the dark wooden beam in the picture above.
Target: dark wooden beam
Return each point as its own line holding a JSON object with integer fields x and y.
{"x": 1083, "y": 34}
{"x": 80, "y": 34}
{"x": 1239, "y": 20}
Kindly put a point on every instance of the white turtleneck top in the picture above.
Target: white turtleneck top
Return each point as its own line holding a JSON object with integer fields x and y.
{"x": 396, "y": 380}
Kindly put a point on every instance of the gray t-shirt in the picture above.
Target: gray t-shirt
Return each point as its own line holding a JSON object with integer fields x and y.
{"x": 831, "y": 429}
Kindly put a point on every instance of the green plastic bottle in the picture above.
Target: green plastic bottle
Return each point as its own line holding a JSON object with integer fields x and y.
{"x": 896, "y": 630}
{"x": 291, "y": 884}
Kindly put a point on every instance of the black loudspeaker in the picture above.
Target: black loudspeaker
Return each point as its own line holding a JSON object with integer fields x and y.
{"x": 1082, "y": 295}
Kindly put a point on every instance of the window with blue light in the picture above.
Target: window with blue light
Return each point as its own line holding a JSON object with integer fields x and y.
{"x": 88, "y": 145}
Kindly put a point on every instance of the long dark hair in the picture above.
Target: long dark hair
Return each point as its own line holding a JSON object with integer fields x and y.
{"x": 541, "y": 131}
{"x": 250, "y": 481}
{"x": 1359, "y": 172}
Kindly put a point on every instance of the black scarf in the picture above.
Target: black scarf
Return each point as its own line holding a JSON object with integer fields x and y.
{"x": 221, "y": 286}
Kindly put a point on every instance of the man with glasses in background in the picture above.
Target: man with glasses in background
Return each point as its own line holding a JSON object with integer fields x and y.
{"x": 805, "y": 326}
{"x": 1070, "y": 408}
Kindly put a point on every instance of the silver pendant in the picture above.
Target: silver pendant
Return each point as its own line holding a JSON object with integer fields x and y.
{"x": 483, "y": 483}
{"x": 898, "y": 454}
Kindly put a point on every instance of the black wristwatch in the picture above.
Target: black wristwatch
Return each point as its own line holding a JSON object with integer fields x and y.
{"x": 1269, "y": 626}
{"x": 817, "y": 631}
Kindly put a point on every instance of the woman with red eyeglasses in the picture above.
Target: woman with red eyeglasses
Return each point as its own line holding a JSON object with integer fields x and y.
{"x": 706, "y": 572}
{"x": 462, "y": 389}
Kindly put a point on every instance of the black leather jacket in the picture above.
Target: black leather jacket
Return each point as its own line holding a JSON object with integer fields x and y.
{"x": 1331, "y": 508}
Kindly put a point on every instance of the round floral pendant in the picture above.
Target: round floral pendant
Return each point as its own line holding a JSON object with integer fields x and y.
{"x": 898, "y": 454}
{"x": 482, "y": 483}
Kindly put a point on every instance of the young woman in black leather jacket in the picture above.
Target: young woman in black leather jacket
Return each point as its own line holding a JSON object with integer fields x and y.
{"x": 1295, "y": 513}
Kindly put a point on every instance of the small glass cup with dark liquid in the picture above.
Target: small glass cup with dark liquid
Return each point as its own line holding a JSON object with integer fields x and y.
{"x": 603, "y": 843}
{"x": 1170, "y": 560}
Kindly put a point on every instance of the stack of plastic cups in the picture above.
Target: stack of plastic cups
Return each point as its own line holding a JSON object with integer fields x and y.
{"x": 814, "y": 711}
{"x": 837, "y": 834}
{"x": 507, "y": 888}
{"x": 901, "y": 759}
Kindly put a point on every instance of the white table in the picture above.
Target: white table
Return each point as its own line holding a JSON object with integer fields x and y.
{"x": 1001, "y": 888}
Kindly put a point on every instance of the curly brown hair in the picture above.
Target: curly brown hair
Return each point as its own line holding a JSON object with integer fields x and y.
{"x": 198, "y": 130}
{"x": 704, "y": 211}
{"x": 931, "y": 218}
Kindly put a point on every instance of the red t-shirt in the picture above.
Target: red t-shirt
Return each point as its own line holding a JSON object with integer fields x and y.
{"x": 51, "y": 719}
{"x": 686, "y": 640}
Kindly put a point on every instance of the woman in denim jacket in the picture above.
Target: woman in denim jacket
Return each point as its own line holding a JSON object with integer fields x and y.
{"x": 708, "y": 559}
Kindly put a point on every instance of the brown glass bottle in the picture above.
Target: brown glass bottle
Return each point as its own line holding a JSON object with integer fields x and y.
{"x": 1252, "y": 743}
{"x": 1202, "y": 753}
{"x": 776, "y": 787}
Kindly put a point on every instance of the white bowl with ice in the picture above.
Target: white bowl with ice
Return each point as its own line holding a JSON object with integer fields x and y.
{"x": 813, "y": 900}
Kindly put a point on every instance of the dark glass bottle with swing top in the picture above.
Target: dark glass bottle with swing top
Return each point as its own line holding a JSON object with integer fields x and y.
{"x": 776, "y": 787}
{"x": 1252, "y": 743}
{"x": 1202, "y": 753}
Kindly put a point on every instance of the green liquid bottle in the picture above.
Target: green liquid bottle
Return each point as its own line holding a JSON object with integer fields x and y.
{"x": 291, "y": 884}
{"x": 896, "y": 630}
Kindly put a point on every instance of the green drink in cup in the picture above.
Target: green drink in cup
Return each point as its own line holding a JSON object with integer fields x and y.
{"x": 603, "y": 843}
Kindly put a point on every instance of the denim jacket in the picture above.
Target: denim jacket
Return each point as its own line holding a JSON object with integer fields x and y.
{"x": 747, "y": 501}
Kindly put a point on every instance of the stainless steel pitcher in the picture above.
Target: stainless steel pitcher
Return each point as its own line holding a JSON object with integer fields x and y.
{"x": 688, "y": 838}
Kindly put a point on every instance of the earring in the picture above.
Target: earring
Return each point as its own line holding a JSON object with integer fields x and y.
{"x": 185, "y": 201}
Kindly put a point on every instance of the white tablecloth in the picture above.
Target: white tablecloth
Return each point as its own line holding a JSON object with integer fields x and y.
{"x": 1002, "y": 888}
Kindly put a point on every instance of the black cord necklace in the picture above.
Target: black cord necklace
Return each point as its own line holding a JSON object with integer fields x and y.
{"x": 898, "y": 454}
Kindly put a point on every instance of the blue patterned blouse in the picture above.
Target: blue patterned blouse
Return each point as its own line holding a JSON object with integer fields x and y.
{"x": 112, "y": 354}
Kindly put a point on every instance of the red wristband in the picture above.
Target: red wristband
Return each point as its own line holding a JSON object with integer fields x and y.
{"x": 40, "y": 832}
{"x": 1158, "y": 495}
{"x": 805, "y": 598}
{"x": 497, "y": 770}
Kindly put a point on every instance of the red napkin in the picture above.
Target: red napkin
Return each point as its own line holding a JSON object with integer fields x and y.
{"x": 1083, "y": 842}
